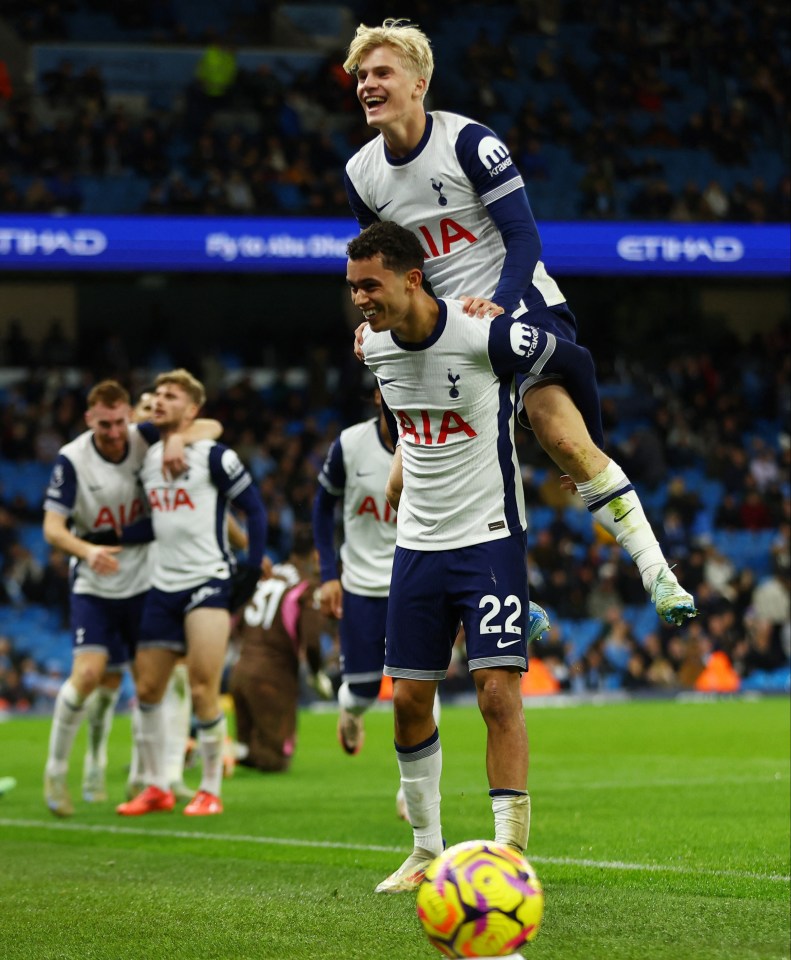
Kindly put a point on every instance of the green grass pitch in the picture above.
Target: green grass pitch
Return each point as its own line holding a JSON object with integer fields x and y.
{"x": 660, "y": 830}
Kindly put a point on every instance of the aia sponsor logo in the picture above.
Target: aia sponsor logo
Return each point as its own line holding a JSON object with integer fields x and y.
{"x": 369, "y": 507}
{"x": 450, "y": 233}
{"x": 124, "y": 517}
{"x": 167, "y": 500}
{"x": 425, "y": 433}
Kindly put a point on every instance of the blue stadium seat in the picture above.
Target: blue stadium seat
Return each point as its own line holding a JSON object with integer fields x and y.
{"x": 32, "y": 537}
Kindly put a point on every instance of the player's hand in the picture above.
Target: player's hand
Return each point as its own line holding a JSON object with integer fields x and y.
{"x": 480, "y": 307}
{"x": 174, "y": 460}
{"x": 266, "y": 568}
{"x": 321, "y": 684}
{"x": 331, "y": 599}
{"x": 359, "y": 333}
{"x": 566, "y": 483}
{"x": 102, "y": 560}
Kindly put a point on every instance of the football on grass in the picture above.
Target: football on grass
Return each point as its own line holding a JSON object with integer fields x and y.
{"x": 480, "y": 899}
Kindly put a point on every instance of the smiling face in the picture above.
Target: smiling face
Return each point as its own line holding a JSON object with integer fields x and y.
{"x": 390, "y": 93}
{"x": 110, "y": 425}
{"x": 384, "y": 297}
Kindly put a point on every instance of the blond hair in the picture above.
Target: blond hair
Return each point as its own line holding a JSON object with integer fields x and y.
{"x": 109, "y": 393}
{"x": 409, "y": 42}
{"x": 184, "y": 379}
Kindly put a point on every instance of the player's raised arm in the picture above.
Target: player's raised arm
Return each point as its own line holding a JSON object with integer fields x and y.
{"x": 174, "y": 461}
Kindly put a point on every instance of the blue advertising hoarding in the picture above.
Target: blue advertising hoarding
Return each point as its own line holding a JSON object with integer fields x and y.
{"x": 313, "y": 245}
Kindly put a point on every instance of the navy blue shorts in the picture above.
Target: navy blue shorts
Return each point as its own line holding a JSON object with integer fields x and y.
{"x": 106, "y": 625}
{"x": 362, "y": 631}
{"x": 561, "y": 322}
{"x": 483, "y": 587}
{"x": 558, "y": 320}
{"x": 164, "y": 612}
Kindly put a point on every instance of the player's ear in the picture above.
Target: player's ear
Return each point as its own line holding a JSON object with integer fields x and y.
{"x": 414, "y": 279}
{"x": 420, "y": 87}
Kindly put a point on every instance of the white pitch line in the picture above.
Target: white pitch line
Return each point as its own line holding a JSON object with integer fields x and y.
{"x": 375, "y": 848}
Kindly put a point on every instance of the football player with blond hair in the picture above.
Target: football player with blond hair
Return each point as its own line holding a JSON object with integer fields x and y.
{"x": 453, "y": 183}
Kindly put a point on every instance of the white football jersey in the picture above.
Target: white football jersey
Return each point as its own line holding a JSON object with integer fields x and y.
{"x": 462, "y": 483}
{"x": 189, "y": 514}
{"x": 440, "y": 192}
{"x": 99, "y": 495}
{"x": 357, "y": 468}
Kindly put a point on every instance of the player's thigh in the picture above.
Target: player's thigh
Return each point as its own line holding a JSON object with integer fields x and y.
{"x": 421, "y": 618}
{"x": 97, "y": 625}
{"x": 206, "y": 630}
{"x": 490, "y": 588}
{"x": 362, "y": 636}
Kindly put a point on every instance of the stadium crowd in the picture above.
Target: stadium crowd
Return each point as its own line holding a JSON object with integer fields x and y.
{"x": 672, "y": 113}
{"x": 704, "y": 438}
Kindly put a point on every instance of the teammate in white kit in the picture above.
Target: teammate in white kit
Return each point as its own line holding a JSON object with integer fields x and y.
{"x": 93, "y": 493}
{"x": 194, "y": 585}
{"x": 177, "y": 701}
{"x": 460, "y": 549}
{"x": 356, "y": 469}
{"x": 453, "y": 183}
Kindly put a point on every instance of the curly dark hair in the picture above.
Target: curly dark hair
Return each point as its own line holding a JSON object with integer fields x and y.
{"x": 399, "y": 249}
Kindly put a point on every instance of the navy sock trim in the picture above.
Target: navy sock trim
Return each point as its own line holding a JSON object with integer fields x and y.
{"x": 610, "y": 496}
{"x": 148, "y": 707}
{"x": 434, "y": 738}
{"x": 208, "y": 724}
{"x": 507, "y": 793}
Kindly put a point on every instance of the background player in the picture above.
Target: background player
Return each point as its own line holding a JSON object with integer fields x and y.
{"x": 453, "y": 183}
{"x": 356, "y": 469}
{"x": 94, "y": 492}
{"x": 460, "y": 553}
{"x": 281, "y": 625}
{"x": 177, "y": 701}
{"x": 193, "y": 587}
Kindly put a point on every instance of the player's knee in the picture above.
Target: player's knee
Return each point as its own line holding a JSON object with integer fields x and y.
{"x": 411, "y": 705}
{"x": 499, "y": 701}
{"x": 85, "y": 677}
{"x": 204, "y": 698}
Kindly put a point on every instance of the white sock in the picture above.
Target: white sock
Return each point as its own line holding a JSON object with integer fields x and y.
{"x": 614, "y": 503}
{"x": 353, "y": 702}
{"x": 177, "y": 705}
{"x": 211, "y": 737}
{"x": 70, "y": 708}
{"x": 150, "y": 737}
{"x": 101, "y": 710}
{"x": 136, "y": 773}
{"x": 420, "y": 768}
{"x": 511, "y": 809}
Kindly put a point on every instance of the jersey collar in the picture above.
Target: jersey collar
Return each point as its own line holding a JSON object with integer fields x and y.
{"x": 400, "y": 161}
{"x": 432, "y": 338}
